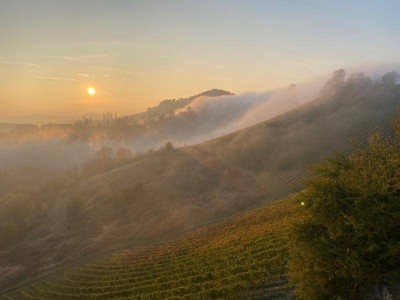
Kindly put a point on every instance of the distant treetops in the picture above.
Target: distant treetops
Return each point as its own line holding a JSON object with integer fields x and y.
{"x": 338, "y": 80}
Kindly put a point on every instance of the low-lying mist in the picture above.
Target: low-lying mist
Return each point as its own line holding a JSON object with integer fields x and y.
{"x": 44, "y": 153}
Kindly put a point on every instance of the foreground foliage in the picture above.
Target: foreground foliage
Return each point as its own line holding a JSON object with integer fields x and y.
{"x": 349, "y": 247}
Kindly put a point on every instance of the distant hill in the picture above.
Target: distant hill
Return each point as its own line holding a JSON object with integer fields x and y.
{"x": 172, "y": 190}
{"x": 168, "y": 105}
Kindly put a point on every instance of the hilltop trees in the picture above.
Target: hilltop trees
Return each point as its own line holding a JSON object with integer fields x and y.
{"x": 348, "y": 247}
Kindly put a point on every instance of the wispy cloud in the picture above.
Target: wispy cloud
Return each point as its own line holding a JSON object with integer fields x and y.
{"x": 119, "y": 71}
{"x": 78, "y": 58}
{"x": 63, "y": 57}
{"x": 55, "y": 78}
{"x": 169, "y": 56}
{"x": 115, "y": 69}
{"x": 219, "y": 78}
{"x": 82, "y": 75}
{"x": 287, "y": 75}
{"x": 76, "y": 75}
{"x": 22, "y": 63}
{"x": 93, "y": 56}
{"x": 303, "y": 64}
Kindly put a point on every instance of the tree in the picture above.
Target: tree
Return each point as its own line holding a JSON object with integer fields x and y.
{"x": 359, "y": 79}
{"x": 123, "y": 155}
{"x": 348, "y": 246}
{"x": 103, "y": 161}
{"x": 168, "y": 147}
{"x": 335, "y": 83}
{"x": 105, "y": 156}
{"x": 390, "y": 78}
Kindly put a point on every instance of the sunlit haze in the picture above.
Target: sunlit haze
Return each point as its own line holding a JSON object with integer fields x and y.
{"x": 138, "y": 52}
{"x": 206, "y": 149}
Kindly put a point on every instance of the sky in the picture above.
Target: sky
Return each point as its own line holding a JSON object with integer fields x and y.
{"x": 136, "y": 53}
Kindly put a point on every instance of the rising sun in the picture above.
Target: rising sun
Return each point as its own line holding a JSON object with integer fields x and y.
{"x": 91, "y": 91}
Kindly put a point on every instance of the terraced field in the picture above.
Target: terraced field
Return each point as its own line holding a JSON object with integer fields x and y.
{"x": 243, "y": 257}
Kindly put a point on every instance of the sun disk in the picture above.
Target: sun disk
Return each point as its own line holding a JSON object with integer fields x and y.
{"x": 91, "y": 91}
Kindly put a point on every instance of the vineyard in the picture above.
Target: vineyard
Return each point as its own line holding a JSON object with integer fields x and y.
{"x": 243, "y": 257}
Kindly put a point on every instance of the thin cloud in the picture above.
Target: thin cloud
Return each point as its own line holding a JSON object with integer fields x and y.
{"x": 303, "y": 64}
{"x": 169, "y": 56}
{"x": 219, "y": 78}
{"x": 115, "y": 69}
{"x": 79, "y": 58}
{"x": 76, "y": 74}
{"x": 287, "y": 75}
{"x": 55, "y": 78}
{"x": 22, "y": 63}
{"x": 134, "y": 73}
{"x": 93, "y": 56}
{"x": 69, "y": 58}
{"x": 82, "y": 75}
{"x": 126, "y": 72}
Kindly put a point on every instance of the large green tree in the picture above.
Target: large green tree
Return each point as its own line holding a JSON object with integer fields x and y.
{"x": 349, "y": 245}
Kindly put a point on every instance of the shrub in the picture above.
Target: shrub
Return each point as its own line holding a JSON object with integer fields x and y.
{"x": 349, "y": 243}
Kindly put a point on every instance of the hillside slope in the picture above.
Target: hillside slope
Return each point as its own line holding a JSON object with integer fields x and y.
{"x": 173, "y": 190}
{"x": 237, "y": 258}
{"x": 279, "y": 151}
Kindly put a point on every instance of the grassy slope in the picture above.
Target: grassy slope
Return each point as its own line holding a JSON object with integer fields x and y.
{"x": 279, "y": 151}
{"x": 196, "y": 185}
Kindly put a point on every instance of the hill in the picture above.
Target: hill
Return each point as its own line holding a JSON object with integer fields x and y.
{"x": 168, "y": 105}
{"x": 172, "y": 190}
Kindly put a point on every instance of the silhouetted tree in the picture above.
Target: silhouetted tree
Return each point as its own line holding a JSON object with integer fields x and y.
{"x": 169, "y": 147}
{"x": 335, "y": 83}
{"x": 390, "y": 78}
{"x": 359, "y": 79}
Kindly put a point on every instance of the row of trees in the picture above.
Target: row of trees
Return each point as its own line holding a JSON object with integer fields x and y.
{"x": 105, "y": 159}
{"x": 338, "y": 80}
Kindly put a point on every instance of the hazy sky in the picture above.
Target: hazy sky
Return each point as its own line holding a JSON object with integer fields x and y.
{"x": 136, "y": 53}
